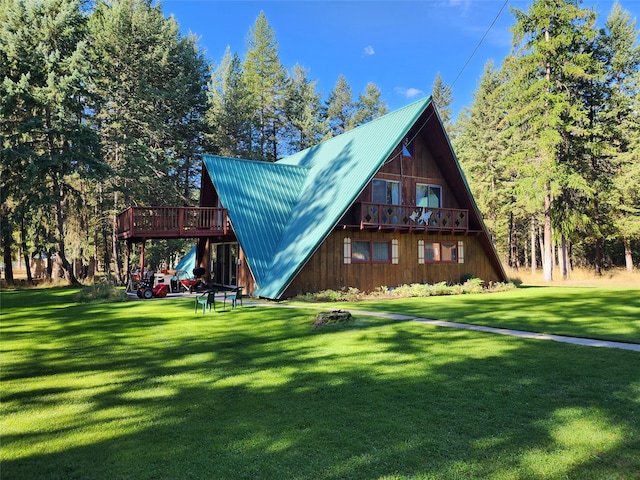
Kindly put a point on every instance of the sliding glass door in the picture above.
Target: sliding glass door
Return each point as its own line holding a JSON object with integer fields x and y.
{"x": 225, "y": 264}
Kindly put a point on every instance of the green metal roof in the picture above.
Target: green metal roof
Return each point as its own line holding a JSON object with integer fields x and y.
{"x": 259, "y": 197}
{"x": 187, "y": 263}
{"x": 281, "y": 212}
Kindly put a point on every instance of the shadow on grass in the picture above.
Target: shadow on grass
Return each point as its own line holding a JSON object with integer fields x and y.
{"x": 107, "y": 392}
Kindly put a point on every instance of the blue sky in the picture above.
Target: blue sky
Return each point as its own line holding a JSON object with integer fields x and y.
{"x": 398, "y": 45}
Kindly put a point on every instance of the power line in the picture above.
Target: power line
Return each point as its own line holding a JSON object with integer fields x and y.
{"x": 480, "y": 43}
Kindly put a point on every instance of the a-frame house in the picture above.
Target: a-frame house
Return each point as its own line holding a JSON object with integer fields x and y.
{"x": 384, "y": 204}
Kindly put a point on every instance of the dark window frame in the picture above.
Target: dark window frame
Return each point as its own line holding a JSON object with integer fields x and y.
{"x": 387, "y": 191}
{"x": 371, "y": 259}
{"x": 440, "y": 250}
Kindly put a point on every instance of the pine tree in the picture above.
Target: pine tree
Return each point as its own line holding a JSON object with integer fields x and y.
{"x": 230, "y": 109}
{"x": 620, "y": 119}
{"x": 369, "y": 106}
{"x": 44, "y": 92}
{"x": 442, "y": 95}
{"x": 149, "y": 105}
{"x": 303, "y": 110}
{"x": 550, "y": 61}
{"x": 340, "y": 108}
{"x": 186, "y": 116}
{"x": 481, "y": 149}
{"x": 265, "y": 78}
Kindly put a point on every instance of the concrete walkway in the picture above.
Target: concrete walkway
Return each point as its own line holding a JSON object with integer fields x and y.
{"x": 479, "y": 328}
{"x": 536, "y": 336}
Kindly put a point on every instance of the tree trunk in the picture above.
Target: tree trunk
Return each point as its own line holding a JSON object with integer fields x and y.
{"x": 106, "y": 265}
{"x": 628, "y": 256}
{"x": 541, "y": 242}
{"x": 116, "y": 256}
{"x": 7, "y": 243}
{"x": 547, "y": 259}
{"x": 49, "y": 274}
{"x": 510, "y": 241}
{"x": 598, "y": 259}
{"x": 116, "y": 246}
{"x": 547, "y": 254}
{"x": 61, "y": 257}
{"x": 58, "y": 194}
{"x": 513, "y": 243}
{"x": 534, "y": 260}
{"x": 23, "y": 239}
{"x": 564, "y": 258}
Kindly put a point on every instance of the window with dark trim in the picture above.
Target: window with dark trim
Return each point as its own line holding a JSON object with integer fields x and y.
{"x": 385, "y": 192}
{"x": 440, "y": 252}
{"x": 428, "y": 195}
{"x": 370, "y": 251}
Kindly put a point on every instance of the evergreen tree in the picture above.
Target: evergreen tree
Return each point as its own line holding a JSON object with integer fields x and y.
{"x": 230, "y": 109}
{"x": 265, "y": 78}
{"x": 44, "y": 92}
{"x": 442, "y": 95}
{"x": 186, "y": 116}
{"x": 149, "y": 105}
{"x": 369, "y": 105}
{"x": 550, "y": 61}
{"x": 620, "y": 119}
{"x": 481, "y": 149}
{"x": 340, "y": 108}
{"x": 304, "y": 111}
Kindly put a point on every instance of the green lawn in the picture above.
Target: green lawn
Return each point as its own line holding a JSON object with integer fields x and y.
{"x": 150, "y": 390}
{"x": 603, "y": 313}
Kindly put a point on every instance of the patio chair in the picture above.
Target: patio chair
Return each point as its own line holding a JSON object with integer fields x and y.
{"x": 206, "y": 300}
{"x": 233, "y": 296}
{"x": 239, "y": 294}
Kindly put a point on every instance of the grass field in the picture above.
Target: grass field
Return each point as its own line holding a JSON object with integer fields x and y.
{"x": 150, "y": 390}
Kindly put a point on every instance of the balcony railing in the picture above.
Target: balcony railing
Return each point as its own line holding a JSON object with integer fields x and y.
{"x": 413, "y": 217}
{"x": 171, "y": 222}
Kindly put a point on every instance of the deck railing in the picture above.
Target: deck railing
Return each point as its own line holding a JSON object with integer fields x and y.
{"x": 171, "y": 222}
{"x": 413, "y": 217}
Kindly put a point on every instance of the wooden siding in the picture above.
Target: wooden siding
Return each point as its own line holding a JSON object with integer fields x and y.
{"x": 326, "y": 268}
{"x": 245, "y": 277}
{"x": 420, "y": 168}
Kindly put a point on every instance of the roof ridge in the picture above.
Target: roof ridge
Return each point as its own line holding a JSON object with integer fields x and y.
{"x": 283, "y": 161}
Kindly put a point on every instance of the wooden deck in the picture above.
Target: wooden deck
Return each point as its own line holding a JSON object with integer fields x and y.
{"x": 141, "y": 223}
{"x": 411, "y": 217}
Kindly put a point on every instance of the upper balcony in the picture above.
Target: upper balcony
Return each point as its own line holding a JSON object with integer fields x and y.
{"x": 139, "y": 223}
{"x": 410, "y": 217}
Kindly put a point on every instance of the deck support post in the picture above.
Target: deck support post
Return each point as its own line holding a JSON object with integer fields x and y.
{"x": 127, "y": 258}
{"x": 142, "y": 259}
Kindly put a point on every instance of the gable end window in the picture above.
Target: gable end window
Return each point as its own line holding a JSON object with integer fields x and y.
{"x": 407, "y": 148}
{"x": 428, "y": 195}
{"x": 385, "y": 192}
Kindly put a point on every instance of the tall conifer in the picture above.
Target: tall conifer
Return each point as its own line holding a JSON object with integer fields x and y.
{"x": 265, "y": 78}
{"x": 43, "y": 103}
{"x": 549, "y": 62}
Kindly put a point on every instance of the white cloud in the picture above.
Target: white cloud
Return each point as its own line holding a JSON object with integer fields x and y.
{"x": 409, "y": 92}
{"x": 368, "y": 50}
{"x": 463, "y": 5}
